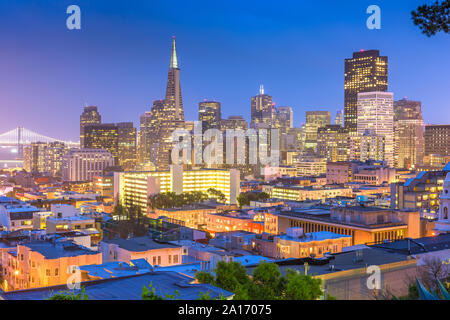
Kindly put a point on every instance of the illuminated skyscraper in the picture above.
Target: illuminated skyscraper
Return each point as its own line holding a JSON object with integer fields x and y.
{"x": 103, "y": 136}
{"x": 209, "y": 114}
{"x": 332, "y": 143}
{"x": 89, "y": 116}
{"x": 314, "y": 121}
{"x": 126, "y": 145}
{"x": 408, "y": 134}
{"x": 261, "y": 108}
{"x": 376, "y": 118}
{"x": 339, "y": 120}
{"x": 437, "y": 139}
{"x": 157, "y": 126}
{"x": 367, "y": 71}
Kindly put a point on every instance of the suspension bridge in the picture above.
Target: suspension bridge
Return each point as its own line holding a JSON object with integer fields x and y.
{"x": 20, "y": 136}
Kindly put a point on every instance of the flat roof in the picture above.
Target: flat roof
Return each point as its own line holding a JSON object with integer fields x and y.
{"x": 345, "y": 261}
{"x": 436, "y": 243}
{"x": 138, "y": 244}
{"x": 57, "y": 250}
{"x": 315, "y": 236}
{"x": 127, "y": 288}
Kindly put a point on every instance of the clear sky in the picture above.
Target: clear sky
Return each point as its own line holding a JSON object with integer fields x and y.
{"x": 226, "y": 49}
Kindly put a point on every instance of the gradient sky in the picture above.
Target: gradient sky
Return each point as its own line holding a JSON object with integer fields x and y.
{"x": 226, "y": 49}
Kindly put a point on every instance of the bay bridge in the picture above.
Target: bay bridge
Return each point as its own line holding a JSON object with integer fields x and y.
{"x": 20, "y": 136}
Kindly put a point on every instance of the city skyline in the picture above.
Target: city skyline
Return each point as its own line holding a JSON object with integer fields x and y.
{"x": 131, "y": 87}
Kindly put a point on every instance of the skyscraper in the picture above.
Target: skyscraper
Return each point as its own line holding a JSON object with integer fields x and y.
{"x": 314, "y": 121}
{"x": 89, "y": 116}
{"x": 339, "y": 120}
{"x": 408, "y": 134}
{"x": 103, "y": 136}
{"x": 261, "y": 108}
{"x": 126, "y": 145}
{"x": 376, "y": 118}
{"x": 209, "y": 114}
{"x": 366, "y": 71}
{"x": 332, "y": 143}
{"x": 437, "y": 139}
{"x": 166, "y": 116}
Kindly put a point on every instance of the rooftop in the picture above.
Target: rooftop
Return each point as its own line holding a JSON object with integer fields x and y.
{"x": 139, "y": 244}
{"x": 55, "y": 250}
{"x": 127, "y": 288}
{"x": 315, "y": 236}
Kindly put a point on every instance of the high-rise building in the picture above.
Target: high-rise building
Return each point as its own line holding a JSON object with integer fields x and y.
{"x": 283, "y": 119}
{"x": 366, "y": 71}
{"x": 166, "y": 116}
{"x": 234, "y": 123}
{"x": 437, "y": 139}
{"x": 332, "y": 143}
{"x": 45, "y": 158}
{"x": 339, "y": 120}
{"x": 89, "y": 116}
{"x": 314, "y": 121}
{"x": 84, "y": 164}
{"x": 126, "y": 145}
{"x": 209, "y": 114}
{"x": 376, "y": 118}
{"x": 408, "y": 134}
{"x": 261, "y": 108}
{"x": 371, "y": 147}
{"x": 103, "y": 136}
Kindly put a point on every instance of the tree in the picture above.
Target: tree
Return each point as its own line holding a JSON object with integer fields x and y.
{"x": 204, "y": 277}
{"x": 302, "y": 287}
{"x": 119, "y": 210}
{"x": 219, "y": 195}
{"x": 69, "y": 295}
{"x": 149, "y": 294}
{"x": 267, "y": 282}
{"x": 434, "y": 18}
{"x": 231, "y": 276}
{"x": 245, "y": 198}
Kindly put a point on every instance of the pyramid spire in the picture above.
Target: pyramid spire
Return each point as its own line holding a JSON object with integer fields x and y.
{"x": 173, "y": 56}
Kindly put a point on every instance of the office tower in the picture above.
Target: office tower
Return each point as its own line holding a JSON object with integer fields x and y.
{"x": 339, "y": 120}
{"x": 437, "y": 139}
{"x": 283, "y": 118}
{"x": 166, "y": 116}
{"x": 408, "y": 134}
{"x": 332, "y": 143}
{"x": 261, "y": 108}
{"x": 89, "y": 116}
{"x": 103, "y": 136}
{"x": 376, "y": 117}
{"x": 371, "y": 147}
{"x": 366, "y": 71}
{"x": 84, "y": 164}
{"x": 209, "y": 114}
{"x": 314, "y": 121}
{"x": 126, "y": 145}
{"x": 234, "y": 123}
{"x": 174, "y": 102}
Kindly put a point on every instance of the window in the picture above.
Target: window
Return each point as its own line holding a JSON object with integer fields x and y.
{"x": 445, "y": 213}
{"x": 170, "y": 259}
{"x": 154, "y": 260}
{"x": 175, "y": 259}
{"x": 56, "y": 272}
{"x": 159, "y": 260}
{"x": 47, "y": 272}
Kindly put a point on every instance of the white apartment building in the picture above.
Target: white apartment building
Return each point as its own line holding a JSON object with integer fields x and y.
{"x": 376, "y": 116}
{"x": 84, "y": 164}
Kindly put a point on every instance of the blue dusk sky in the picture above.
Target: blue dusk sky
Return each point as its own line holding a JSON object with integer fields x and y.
{"x": 226, "y": 49}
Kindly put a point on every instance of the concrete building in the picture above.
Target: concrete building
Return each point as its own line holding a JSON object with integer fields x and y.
{"x": 437, "y": 139}
{"x": 442, "y": 225}
{"x": 84, "y": 164}
{"x": 16, "y": 215}
{"x": 364, "y": 224}
{"x": 302, "y": 193}
{"x": 297, "y": 244}
{"x": 376, "y": 116}
{"x": 135, "y": 187}
{"x": 155, "y": 253}
{"x": 39, "y": 264}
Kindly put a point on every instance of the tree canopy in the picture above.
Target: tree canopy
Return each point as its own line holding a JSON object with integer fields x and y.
{"x": 266, "y": 283}
{"x": 433, "y": 18}
{"x": 172, "y": 200}
{"x": 245, "y": 197}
